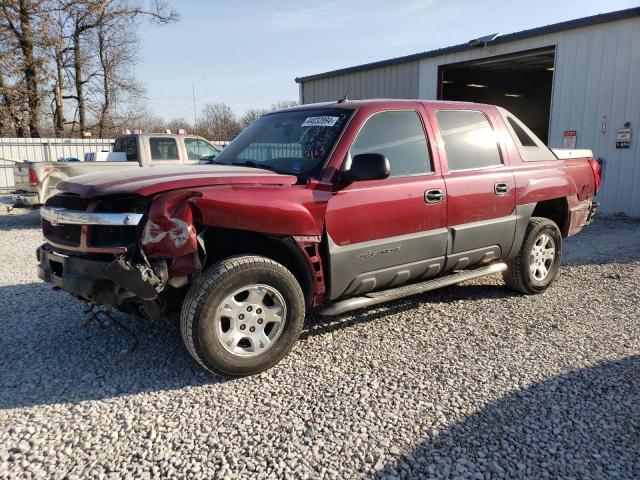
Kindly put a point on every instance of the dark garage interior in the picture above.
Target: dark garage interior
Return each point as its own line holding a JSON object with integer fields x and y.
{"x": 520, "y": 82}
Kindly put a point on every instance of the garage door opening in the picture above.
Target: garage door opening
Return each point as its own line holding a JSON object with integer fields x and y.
{"x": 520, "y": 82}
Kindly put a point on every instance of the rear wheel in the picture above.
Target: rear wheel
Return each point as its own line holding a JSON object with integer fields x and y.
{"x": 243, "y": 316}
{"x": 538, "y": 262}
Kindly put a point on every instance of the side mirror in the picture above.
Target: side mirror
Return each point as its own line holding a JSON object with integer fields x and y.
{"x": 367, "y": 166}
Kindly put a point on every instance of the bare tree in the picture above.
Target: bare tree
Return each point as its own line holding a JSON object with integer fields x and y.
{"x": 116, "y": 47}
{"x": 176, "y": 124}
{"x": 59, "y": 49}
{"x": 20, "y": 23}
{"x": 105, "y": 25}
{"x": 146, "y": 120}
{"x": 218, "y": 122}
{"x": 251, "y": 116}
{"x": 14, "y": 108}
{"x": 11, "y": 108}
{"x": 77, "y": 56}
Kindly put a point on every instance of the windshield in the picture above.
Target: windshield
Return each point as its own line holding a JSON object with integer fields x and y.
{"x": 296, "y": 142}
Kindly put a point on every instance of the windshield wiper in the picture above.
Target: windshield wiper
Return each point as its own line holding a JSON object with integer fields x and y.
{"x": 252, "y": 164}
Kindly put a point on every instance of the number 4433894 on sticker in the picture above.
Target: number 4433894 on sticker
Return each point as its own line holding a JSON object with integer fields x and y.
{"x": 325, "y": 121}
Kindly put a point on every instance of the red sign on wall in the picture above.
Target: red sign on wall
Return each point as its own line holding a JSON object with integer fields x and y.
{"x": 570, "y": 137}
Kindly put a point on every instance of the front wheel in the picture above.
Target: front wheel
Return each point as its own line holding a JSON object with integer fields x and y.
{"x": 243, "y": 316}
{"x": 538, "y": 262}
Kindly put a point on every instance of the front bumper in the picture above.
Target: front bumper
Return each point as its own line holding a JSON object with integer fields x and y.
{"x": 103, "y": 282}
{"x": 24, "y": 197}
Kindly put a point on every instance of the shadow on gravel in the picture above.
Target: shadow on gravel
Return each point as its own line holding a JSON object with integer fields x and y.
{"x": 48, "y": 357}
{"x": 607, "y": 240}
{"x": 319, "y": 325}
{"x": 582, "y": 424}
{"x": 22, "y": 219}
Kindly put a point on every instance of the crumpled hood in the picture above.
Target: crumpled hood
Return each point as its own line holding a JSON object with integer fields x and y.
{"x": 151, "y": 180}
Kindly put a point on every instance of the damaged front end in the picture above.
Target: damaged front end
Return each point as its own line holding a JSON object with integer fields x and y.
{"x": 132, "y": 252}
{"x": 170, "y": 233}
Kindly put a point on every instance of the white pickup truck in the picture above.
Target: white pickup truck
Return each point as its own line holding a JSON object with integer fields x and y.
{"x": 36, "y": 181}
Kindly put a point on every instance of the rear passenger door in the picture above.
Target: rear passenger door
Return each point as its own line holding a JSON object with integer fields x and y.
{"x": 480, "y": 186}
{"x": 383, "y": 233}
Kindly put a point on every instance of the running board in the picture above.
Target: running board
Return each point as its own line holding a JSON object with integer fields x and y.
{"x": 382, "y": 296}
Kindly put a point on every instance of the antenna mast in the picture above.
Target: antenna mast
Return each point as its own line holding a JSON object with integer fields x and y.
{"x": 195, "y": 112}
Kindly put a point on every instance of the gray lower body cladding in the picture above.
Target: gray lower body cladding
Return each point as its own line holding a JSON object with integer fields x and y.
{"x": 387, "y": 262}
{"x": 390, "y": 262}
{"x": 485, "y": 233}
{"x": 395, "y": 293}
{"x": 103, "y": 282}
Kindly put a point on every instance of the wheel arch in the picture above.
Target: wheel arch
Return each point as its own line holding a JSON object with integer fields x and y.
{"x": 555, "y": 209}
{"x": 221, "y": 242}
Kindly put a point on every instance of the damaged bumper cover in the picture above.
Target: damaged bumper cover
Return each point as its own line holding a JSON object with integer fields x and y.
{"x": 103, "y": 282}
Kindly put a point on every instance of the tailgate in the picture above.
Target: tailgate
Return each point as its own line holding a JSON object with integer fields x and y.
{"x": 569, "y": 153}
{"x": 21, "y": 175}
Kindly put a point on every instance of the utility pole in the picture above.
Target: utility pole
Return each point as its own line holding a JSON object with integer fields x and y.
{"x": 195, "y": 113}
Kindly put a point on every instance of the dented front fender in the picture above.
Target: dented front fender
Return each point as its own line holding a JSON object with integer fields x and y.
{"x": 169, "y": 231}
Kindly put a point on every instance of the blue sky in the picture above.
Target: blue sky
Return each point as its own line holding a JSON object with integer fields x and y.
{"x": 247, "y": 53}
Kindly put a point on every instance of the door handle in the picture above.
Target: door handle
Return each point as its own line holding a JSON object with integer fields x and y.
{"x": 501, "y": 188}
{"x": 434, "y": 196}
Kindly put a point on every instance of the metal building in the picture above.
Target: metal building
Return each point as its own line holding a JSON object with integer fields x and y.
{"x": 573, "y": 83}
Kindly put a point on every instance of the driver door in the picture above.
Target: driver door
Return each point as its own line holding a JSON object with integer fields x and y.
{"x": 387, "y": 232}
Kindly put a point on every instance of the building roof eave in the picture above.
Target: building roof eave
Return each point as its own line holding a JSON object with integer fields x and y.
{"x": 533, "y": 32}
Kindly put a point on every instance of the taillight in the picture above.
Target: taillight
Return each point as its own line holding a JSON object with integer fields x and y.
{"x": 595, "y": 166}
{"x": 33, "y": 178}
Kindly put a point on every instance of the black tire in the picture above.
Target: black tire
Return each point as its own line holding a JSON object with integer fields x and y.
{"x": 518, "y": 276}
{"x": 203, "y": 339}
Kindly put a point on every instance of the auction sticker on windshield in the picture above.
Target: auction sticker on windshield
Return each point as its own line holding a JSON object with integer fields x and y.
{"x": 320, "y": 121}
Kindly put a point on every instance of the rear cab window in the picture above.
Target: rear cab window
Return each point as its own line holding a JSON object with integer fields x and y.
{"x": 524, "y": 139}
{"x": 129, "y": 145}
{"x": 163, "y": 148}
{"x": 399, "y": 136}
{"x": 470, "y": 141}
{"x": 529, "y": 146}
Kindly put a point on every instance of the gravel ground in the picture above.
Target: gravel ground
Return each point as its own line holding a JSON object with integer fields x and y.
{"x": 471, "y": 381}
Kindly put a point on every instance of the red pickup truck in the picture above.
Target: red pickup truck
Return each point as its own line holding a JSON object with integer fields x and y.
{"x": 328, "y": 207}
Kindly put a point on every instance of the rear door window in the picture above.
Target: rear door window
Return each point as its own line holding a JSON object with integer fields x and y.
{"x": 400, "y": 137}
{"x": 163, "y": 148}
{"x": 469, "y": 140}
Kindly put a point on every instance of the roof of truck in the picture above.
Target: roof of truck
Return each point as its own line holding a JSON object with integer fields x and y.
{"x": 380, "y": 102}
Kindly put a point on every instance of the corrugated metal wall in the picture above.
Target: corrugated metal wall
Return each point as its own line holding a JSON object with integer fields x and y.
{"x": 395, "y": 81}
{"x": 597, "y": 74}
{"x": 44, "y": 150}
